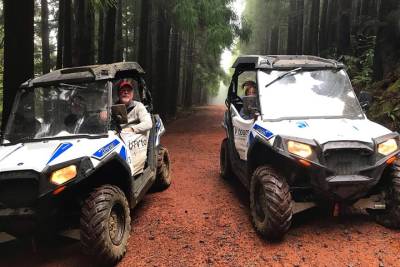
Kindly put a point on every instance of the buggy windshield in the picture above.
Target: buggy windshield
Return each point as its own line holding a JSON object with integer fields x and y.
{"x": 307, "y": 94}
{"x": 59, "y": 110}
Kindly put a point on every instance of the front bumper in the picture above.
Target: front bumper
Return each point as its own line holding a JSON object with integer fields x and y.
{"x": 28, "y": 200}
{"x": 345, "y": 187}
{"x": 337, "y": 171}
{"x": 341, "y": 185}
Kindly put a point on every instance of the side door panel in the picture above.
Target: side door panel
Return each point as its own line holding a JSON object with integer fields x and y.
{"x": 241, "y": 130}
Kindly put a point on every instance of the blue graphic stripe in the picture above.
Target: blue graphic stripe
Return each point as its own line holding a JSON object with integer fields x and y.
{"x": 263, "y": 131}
{"x": 105, "y": 150}
{"x": 251, "y": 138}
{"x": 302, "y": 124}
{"x": 122, "y": 153}
{"x": 60, "y": 149}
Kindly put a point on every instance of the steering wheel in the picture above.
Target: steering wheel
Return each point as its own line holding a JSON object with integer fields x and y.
{"x": 92, "y": 124}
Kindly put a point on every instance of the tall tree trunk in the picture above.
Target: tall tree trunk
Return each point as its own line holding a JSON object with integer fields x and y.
{"x": 100, "y": 37}
{"x": 67, "y": 51}
{"x": 343, "y": 32}
{"x": 144, "y": 33}
{"x": 109, "y": 35}
{"x": 332, "y": 23}
{"x": 323, "y": 29}
{"x": 44, "y": 23}
{"x": 274, "y": 40}
{"x": 84, "y": 49}
{"x": 136, "y": 29}
{"x": 387, "y": 47}
{"x": 174, "y": 75}
{"x": 315, "y": 6}
{"x": 118, "y": 29}
{"x": 60, "y": 34}
{"x": 92, "y": 32}
{"x": 190, "y": 71}
{"x": 163, "y": 32}
{"x": 18, "y": 50}
{"x": 292, "y": 28}
{"x": 300, "y": 23}
{"x": 307, "y": 27}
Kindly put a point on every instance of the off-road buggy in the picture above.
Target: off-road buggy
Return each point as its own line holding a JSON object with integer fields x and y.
{"x": 303, "y": 140}
{"x": 63, "y": 166}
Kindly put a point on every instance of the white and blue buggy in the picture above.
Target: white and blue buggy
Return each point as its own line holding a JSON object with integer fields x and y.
{"x": 65, "y": 161}
{"x": 304, "y": 140}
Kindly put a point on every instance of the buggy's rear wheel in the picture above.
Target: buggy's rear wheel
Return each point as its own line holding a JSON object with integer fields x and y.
{"x": 225, "y": 169}
{"x": 163, "y": 177}
{"x": 105, "y": 224}
{"x": 390, "y": 217}
{"x": 270, "y": 203}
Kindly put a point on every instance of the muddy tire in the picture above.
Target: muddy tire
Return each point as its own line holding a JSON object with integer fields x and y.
{"x": 225, "y": 169}
{"x": 105, "y": 224}
{"x": 163, "y": 177}
{"x": 270, "y": 203}
{"x": 390, "y": 217}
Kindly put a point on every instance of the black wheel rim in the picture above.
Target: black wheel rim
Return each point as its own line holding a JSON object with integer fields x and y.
{"x": 259, "y": 201}
{"x": 116, "y": 224}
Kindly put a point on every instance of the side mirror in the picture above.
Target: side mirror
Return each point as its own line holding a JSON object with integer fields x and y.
{"x": 365, "y": 99}
{"x": 119, "y": 113}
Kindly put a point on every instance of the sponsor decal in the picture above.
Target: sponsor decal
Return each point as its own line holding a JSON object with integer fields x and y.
{"x": 136, "y": 144}
{"x": 240, "y": 132}
{"x": 105, "y": 150}
{"x": 60, "y": 149}
{"x": 263, "y": 131}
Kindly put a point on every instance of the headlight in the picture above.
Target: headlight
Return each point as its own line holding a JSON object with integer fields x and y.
{"x": 63, "y": 175}
{"x": 387, "y": 147}
{"x": 299, "y": 149}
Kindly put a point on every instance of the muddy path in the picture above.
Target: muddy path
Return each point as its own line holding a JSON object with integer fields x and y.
{"x": 204, "y": 220}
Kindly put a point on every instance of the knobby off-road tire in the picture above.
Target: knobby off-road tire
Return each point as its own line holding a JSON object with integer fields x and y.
{"x": 390, "y": 217}
{"x": 105, "y": 224}
{"x": 270, "y": 203}
{"x": 163, "y": 177}
{"x": 225, "y": 169}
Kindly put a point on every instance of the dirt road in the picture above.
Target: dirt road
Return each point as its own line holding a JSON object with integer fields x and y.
{"x": 203, "y": 220}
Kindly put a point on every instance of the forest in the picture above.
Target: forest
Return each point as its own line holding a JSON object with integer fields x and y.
{"x": 179, "y": 42}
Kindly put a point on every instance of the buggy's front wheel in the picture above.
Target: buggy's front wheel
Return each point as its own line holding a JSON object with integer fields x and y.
{"x": 270, "y": 203}
{"x": 390, "y": 217}
{"x": 105, "y": 224}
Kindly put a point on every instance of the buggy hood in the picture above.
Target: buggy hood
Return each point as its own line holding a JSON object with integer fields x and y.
{"x": 324, "y": 130}
{"x": 38, "y": 155}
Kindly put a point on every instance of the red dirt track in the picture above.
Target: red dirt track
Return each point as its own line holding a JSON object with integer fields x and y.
{"x": 202, "y": 220}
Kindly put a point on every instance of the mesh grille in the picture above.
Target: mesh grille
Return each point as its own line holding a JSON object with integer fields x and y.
{"x": 345, "y": 161}
{"x": 18, "y": 189}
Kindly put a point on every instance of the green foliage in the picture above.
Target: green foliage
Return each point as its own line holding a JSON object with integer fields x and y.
{"x": 215, "y": 26}
{"x": 386, "y": 105}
